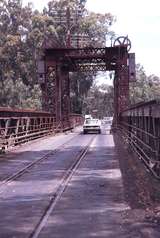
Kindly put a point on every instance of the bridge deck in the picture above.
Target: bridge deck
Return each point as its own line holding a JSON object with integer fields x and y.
{"x": 65, "y": 195}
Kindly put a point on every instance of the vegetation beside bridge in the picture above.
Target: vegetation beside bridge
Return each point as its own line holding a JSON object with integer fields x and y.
{"x": 22, "y": 33}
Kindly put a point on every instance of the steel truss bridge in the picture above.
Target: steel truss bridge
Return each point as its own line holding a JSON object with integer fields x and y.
{"x": 55, "y": 65}
{"x": 139, "y": 124}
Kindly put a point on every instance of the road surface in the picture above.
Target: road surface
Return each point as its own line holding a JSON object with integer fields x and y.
{"x": 65, "y": 186}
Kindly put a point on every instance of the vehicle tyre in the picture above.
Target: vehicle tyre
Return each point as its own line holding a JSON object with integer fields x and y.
{"x": 84, "y": 132}
{"x": 99, "y": 131}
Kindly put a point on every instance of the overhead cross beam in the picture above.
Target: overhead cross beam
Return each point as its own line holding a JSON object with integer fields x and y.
{"x": 92, "y": 59}
{"x": 58, "y": 62}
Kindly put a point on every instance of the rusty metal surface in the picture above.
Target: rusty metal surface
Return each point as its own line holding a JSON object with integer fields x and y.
{"x": 18, "y": 126}
{"x": 141, "y": 125}
{"x": 150, "y": 108}
{"x": 74, "y": 58}
{"x": 58, "y": 62}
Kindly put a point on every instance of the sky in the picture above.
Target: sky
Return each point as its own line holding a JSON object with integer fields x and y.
{"x": 139, "y": 19}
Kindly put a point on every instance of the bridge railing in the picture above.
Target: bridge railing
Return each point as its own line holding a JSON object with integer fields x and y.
{"x": 76, "y": 119}
{"x": 19, "y": 126}
{"x": 140, "y": 124}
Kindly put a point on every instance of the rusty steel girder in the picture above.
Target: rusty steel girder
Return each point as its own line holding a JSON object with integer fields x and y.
{"x": 18, "y": 126}
{"x": 140, "y": 125}
{"x": 75, "y": 59}
{"x": 58, "y": 62}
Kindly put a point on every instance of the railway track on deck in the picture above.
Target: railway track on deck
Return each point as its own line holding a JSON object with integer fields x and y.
{"x": 24, "y": 170}
{"x": 56, "y": 196}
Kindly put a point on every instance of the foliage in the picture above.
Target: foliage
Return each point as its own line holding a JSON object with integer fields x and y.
{"x": 80, "y": 85}
{"x": 18, "y": 95}
{"x": 17, "y": 76}
{"x": 145, "y": 88}
{"x": 96, "y": 26}
{"x": 99, "y": 101}
{"x": 23, "y": 32}
{"x": 91, "y": 26}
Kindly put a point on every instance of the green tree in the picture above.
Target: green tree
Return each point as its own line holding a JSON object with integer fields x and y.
{"x": 23, "y": 32}
{"x": 99, "y": 101}
{"x": 145, "y": 88}
{"x": 16, "y": 59}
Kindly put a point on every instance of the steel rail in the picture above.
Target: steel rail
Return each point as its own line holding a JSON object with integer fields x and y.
{"x": 30, "y": 165}
{"x": 60, "y": 190}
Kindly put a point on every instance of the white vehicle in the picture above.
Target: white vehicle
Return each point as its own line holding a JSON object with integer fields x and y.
{"x": 88, "y": 117}
{"x": 108, "y": 121}
{"x": 92, "y": 125}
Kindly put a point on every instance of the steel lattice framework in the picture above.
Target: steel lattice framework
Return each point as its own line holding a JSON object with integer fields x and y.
{"x": 56, "y": 64}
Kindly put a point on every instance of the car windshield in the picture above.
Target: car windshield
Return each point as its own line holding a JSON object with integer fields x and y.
{"x": 91, "y": 121}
